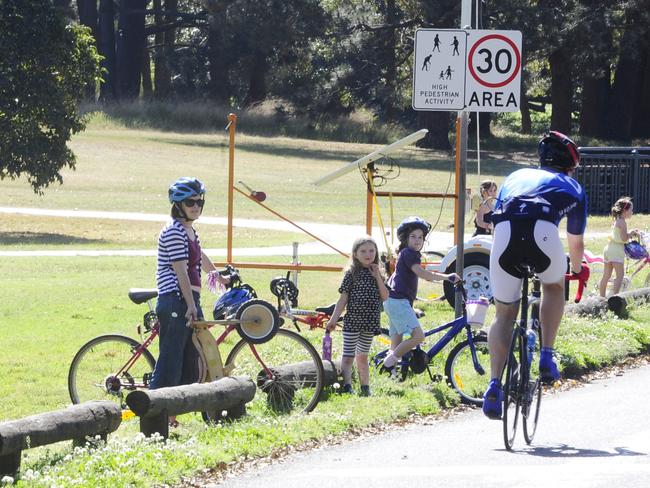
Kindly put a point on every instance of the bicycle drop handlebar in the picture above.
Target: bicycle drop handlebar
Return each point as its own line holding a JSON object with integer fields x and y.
{"x": 582, "y": 277}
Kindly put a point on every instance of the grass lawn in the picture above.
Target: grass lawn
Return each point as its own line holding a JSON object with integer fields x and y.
{"x": 51, "y": 306}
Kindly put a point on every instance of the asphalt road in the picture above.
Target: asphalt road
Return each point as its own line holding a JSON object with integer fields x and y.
{"x": 597, "y": 435}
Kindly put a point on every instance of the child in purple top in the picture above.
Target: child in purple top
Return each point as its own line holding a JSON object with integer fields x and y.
{"x": 403, "y": 285}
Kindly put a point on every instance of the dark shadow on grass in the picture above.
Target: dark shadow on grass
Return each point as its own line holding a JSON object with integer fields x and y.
{"x": 13, "y": 238}
{"x": 567, "y": 452}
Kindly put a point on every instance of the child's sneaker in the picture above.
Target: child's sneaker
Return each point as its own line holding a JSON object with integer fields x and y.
{"x": 493, "y": 400}
{"x": 548, "y": 370}
{"x": 347, "y": 389}
{"x": 365, "y": 391}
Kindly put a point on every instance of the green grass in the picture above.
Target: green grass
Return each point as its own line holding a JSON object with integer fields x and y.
{"x": 51, "y": 306}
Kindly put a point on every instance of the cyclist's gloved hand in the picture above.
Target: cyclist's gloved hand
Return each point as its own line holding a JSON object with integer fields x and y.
{"x": 584, "y": 273}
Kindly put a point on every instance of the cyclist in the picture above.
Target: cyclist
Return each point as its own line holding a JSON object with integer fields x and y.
{"x": 528, "y": 209}
{"x": 178, "y": 277}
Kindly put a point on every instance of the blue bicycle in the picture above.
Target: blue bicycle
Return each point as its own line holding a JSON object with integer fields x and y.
{"x": 467, "y": 369}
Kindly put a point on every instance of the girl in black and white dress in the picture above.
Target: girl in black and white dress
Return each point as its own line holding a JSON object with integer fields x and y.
{"x": 362, "y": 293}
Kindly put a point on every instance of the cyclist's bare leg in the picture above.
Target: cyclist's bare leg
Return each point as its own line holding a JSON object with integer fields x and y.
{"x": 618, "y": 281}
{"x": 363, "y": 367}
{"x": 417, "y": 336}
{"x": 551, "y": 311}
{"x": 607, "y": 274}
{"x": 500, "y": 334}
{"x": 346, "y": 369}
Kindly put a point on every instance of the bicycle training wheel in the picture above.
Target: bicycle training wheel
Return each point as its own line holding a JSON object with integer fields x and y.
{"x": 93, "y": 373}
{"x": 287, "y": 369}
{"x": 511, "y": 399}
{"x": 468, "y": 378}
{"x": 533, "y": 395}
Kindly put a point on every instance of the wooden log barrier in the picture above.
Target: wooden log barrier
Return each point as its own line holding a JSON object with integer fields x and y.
{"x": 154, "y": 407}
{"x": 302, "y": 374}
{"x": 616, "y": 303}
{"x": 76, "y": 423}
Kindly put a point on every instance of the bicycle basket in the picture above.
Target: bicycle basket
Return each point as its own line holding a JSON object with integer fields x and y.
{"x": 635, "y": 250}
{"x": 230, "y": 301}
{"x": 476, "y": 311}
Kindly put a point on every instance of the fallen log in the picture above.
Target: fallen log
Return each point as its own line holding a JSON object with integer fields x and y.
{"x": 154, "y": 407}
{"x": 618, "y": 303}
{"x": 589, "y": 306}
{"x": 76, "y": 423}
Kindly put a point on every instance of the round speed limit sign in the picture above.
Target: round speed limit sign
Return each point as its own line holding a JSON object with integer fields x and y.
{"x": 494, "y": 71}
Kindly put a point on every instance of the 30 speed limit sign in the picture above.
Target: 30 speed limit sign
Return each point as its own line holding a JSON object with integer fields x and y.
{"x": 493, "y": 79}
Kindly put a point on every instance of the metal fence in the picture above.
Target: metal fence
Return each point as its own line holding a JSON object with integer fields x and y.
{"x": 608, "y": 173}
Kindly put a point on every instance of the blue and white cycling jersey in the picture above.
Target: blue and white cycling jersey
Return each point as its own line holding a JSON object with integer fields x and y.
{"x": 542, "y": 194}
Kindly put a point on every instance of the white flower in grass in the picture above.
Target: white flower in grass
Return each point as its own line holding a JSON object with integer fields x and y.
{"x": 7, "y": 480}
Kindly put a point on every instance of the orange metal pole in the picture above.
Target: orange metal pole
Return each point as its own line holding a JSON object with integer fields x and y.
{"x": 292, "y": 223}
{"x": 414, "y": 194}
{"x": 232, "y": 124}
{"x": 289, "y": 266}
{"x": 369, "y": 201}
{"x": 456, "y": 207}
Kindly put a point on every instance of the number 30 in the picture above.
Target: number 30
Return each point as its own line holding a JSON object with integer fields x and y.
{"x": 498, "y": 61}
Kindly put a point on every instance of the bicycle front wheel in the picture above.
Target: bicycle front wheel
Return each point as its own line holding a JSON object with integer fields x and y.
{"x": 533, "y": 394}
{"x": 469, "y": 378}
{"x": 287, "y": 369}
{"x": 511, "y": 398}
{"x": 104, "y": 369}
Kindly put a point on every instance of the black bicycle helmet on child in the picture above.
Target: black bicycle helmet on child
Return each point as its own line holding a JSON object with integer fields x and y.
{"x": 558, "y": 151}
{"x": 409, "y": 224}
{"x": 185, "y": 187}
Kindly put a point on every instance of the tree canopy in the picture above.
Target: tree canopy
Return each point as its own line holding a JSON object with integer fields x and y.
{"x": 45, "y": 65}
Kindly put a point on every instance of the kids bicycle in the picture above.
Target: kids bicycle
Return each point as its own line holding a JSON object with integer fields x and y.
{"x": 467, "y": 366}
{"x": 110, "y": 366}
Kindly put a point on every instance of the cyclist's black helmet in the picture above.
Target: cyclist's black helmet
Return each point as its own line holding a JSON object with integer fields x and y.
{"x": 558, "y": 151}
{"x": 185, "y": 187}
{"x": 409, "y": 224}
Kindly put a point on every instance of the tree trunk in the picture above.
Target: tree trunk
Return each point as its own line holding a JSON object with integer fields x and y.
{"x": 130, "y": 47}
{"x": 526, "y": 121}
{"x": 390, "y": 109}
{"x": 88, "y": 16}
{"x": 106, "y": 47}
{"x": 219, "y": 68}
{"x": 147, "y": 88}
{"x": 641, "y": 123}
{"x": 593, "y": 111}
{"x": 561, "y": 90}
{"x": 438, "y": 125}
{"x": 165, "y": 42}
{"x": 626, "y": 88}
{"x": 257, "y": 79}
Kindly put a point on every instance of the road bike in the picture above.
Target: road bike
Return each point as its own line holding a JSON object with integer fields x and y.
{"x": 110, "y": 366}
{"x": 523, "y": 385}
{"x": 467, "y": 366}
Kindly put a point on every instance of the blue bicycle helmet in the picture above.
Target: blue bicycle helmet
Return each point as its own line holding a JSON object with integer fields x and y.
{"x": 185, "y": 187}
{"x": 230, "y": 301}
{"x": 409, "y": 224}
{"x": 635, "y": 250}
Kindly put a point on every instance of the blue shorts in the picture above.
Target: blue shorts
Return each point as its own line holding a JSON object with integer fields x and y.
{"x": 401, "y": 316}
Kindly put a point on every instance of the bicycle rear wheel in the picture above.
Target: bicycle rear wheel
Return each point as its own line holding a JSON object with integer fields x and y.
{"x": 533, "y": 394}
{"x": 287, "y": 369}
{"x": 468, "y": 379}
{"x": 93, "y": 373}
{"x": 512, "y": 398}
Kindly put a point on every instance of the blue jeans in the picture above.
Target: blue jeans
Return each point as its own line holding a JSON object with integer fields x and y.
{"x": 174, "y": 337}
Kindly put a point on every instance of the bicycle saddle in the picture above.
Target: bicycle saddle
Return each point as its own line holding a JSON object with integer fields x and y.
{"x": 141, "y": 295}
{"x": 329, "y": 310}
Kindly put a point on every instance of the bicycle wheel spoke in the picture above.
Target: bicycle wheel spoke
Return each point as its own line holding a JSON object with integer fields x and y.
{"x": 292, "y": 379}
{"x": 511, "y": 401}
{"x": 469, "y": 378}
{"x": 94, "y": 372}
{"x": 533, "y": 395}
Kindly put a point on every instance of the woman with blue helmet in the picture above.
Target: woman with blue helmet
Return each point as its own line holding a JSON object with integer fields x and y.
{"x": 178, "y": 279}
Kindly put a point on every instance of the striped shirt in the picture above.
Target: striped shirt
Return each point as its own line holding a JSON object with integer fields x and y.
{"x": 173, "y": 245}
